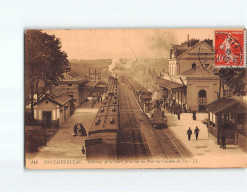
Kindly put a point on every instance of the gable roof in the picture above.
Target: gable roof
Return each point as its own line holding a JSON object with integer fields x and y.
{"x": 199, "y": 71}
{"x": 194, "y": 46}
{"x": 56, "y": 96}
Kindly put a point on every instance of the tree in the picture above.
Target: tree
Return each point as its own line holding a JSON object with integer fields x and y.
{"x": 234, "y": 78}
{"x": 44, "y": 61}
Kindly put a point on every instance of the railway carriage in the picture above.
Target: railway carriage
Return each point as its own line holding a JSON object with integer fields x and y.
{"x": 102, "y": 140}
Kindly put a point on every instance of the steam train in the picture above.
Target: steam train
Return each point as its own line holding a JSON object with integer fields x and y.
{"x": 102, "y": 140}
{"x": 151, "y": 108}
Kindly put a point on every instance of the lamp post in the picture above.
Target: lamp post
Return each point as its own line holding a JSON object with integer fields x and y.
{"x": 44, "y": 126}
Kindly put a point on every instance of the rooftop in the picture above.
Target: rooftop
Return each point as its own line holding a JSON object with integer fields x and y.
{"x": 72, "y": 76}
{"x": 225, "y": 103}
{"x": 168, "y": 84}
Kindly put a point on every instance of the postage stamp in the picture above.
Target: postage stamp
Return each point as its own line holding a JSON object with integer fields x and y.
{"x": 229, "y": 48}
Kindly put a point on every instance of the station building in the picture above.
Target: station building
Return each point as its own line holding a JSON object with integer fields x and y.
{"x": 73, "y": 85}
{"x": 53, "y": 109}
{"x": 191, "y": 81}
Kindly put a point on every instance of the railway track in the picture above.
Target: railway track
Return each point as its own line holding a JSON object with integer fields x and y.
{"x": 132, "y": 143}
{"x": 170, "y": 144}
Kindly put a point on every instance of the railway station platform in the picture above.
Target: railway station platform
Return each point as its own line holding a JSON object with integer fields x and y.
{"x": 63, "y": 144}
{"x": 205, "y": 148}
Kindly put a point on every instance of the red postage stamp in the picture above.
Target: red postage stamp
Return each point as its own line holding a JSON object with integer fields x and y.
{"x": 229, "y": 48}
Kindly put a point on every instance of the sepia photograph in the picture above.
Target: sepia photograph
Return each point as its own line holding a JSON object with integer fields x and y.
{"x": 135, "y": 98}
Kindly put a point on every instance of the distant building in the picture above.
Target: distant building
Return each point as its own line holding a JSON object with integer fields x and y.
{"x": 191, "y": 81}
{"x": 72, "y": 84}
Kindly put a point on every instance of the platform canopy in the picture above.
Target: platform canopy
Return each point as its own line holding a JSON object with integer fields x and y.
{"x": 224, "y": 104}
{"x": 171, "y": 85}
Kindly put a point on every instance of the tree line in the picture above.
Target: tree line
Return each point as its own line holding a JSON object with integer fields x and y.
{"x": 44, "y": 63}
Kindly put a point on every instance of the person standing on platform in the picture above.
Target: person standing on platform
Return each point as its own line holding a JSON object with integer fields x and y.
{"x": 179, "y": 111}
{"x": 75, "y": 129}
{"x": 189, "y": 132}
{"x": 223, "y": 141}
{"x": 196, "y": 132}
{"x": 101, "y": 99}
{"x": 194, "y": 115}
{"x": 82, "y": 130}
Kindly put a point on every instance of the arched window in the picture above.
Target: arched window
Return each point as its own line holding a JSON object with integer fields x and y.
{"x": 202, "y": 100}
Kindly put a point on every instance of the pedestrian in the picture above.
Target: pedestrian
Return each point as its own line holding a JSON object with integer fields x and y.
{"x": 194, "y": 115}
{"x": 101, "y": 99}
{"x": 221, "y": 143}
{"x": 196, "y": 132}
{"x": 98, "y": 97}
{"x": 82, "y": 130}
{"x": 189, "y": 132}
{"x": 83, "y": 150}
{"x": 175, "y": 109}
{"x": 93, "y": 102}
{"x": 179, "y": 111}
{"x": 223, "y": 140}
{"x": 75, "y": 129}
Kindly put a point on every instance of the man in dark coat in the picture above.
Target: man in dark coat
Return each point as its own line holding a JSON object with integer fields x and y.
{"x": 223, "y": 141}
{"x": 194, "y": 115}
{"x": 82, "y": 130}
{"x": 179, "y": 111}
{"x": 189, "y": 132}
{"x": 196, "y": 132}
{"x": 75, "y": 129}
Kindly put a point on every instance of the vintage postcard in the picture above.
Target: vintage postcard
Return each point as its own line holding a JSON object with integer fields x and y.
{"x": 135, "y": 98}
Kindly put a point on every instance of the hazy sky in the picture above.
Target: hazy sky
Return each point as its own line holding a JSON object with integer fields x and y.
{"x": 125, "y": 43}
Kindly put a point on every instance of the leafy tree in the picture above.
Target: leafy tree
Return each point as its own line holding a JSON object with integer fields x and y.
{"x": 44, "y": 62}
{"x": 235, "y": 79}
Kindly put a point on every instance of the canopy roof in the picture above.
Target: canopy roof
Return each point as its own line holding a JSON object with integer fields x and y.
{"x": 224, "y": 104}
{"x": 168, "y": 84}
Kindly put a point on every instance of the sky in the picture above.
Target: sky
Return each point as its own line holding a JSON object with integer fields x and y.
{"x": 124, "y": 43}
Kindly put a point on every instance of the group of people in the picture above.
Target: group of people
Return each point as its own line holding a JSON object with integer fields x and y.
{"x": 79, "y": 128}
{"x": 196, "y": 132}
{"x": 173, "y": 108}
{"x": 99, "y": 98}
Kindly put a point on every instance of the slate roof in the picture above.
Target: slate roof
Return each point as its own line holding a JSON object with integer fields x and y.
{"x": 199, "y": 71}
{"x": 57, "y": 96}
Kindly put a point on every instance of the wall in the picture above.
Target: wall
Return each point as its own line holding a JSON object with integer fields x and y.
{"x": 242, "y": 142}
{"x": 211, "y": 86}
{"x": 186, "y": 64}
{"x": 55, "y": 109}
{"x": 43, "y": 106}
{"x": 71, "y": 90}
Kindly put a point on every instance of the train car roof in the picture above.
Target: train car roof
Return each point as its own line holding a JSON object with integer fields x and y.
{"x": 103, "y": 124}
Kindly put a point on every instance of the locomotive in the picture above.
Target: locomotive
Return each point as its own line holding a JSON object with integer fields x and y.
{"x": 151, "y": 108}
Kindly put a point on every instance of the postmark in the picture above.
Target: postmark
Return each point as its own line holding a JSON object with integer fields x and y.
{"x": 229, "y": 49}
